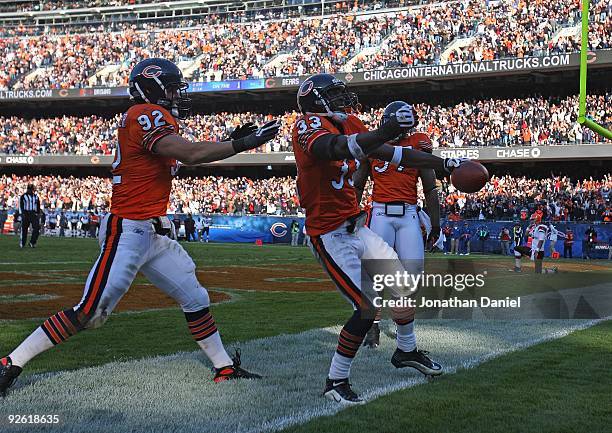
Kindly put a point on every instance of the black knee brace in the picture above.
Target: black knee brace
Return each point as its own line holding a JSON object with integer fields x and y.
{"x": 358, "y": 324}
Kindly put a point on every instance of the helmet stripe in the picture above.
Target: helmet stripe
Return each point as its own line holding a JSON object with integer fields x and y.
{"x": 158, "y": 81}
{"x": 141, "y": 92}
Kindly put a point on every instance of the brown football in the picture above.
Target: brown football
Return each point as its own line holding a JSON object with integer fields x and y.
{"x": 471, "y": 176}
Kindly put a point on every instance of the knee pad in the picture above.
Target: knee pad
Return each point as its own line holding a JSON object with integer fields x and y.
{"x": 198, "y": 299}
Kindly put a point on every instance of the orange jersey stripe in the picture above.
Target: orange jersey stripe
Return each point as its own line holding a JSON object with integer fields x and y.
{"x": 108, "y": 246}
{"x": 336, "y": 277}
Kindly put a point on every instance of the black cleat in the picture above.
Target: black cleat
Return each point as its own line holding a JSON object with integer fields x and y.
{"x": 233, "y": 371}
{"x": 372, "y": 338}
{"x": 8, "y": 375}
{"x": 31, "y": 245}
{"x": 417, "y": 359}
{"x": 339, "y": 390}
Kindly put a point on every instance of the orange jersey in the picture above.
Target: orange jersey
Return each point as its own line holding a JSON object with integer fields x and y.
{"x": 396, "y": 183}
{"x": 325, "y": 187}
{"x": 141, "y": 179}
{"x": 536, "y": 217}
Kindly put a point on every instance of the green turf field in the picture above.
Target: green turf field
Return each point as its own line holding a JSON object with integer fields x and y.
{"x": 544, "y": 376}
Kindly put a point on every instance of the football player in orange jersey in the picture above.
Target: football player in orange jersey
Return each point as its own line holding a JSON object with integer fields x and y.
{"x": 397, "y": 219}
{"x": 328, "y": 141}
{"x": 133, "y": 236}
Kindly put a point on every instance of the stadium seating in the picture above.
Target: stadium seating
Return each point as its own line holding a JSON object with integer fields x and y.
{"x": 504, "y": 198}
{"x": 215, "y": 50}
{"x": 496, "y": 122}
{"x": 47, "y": 5}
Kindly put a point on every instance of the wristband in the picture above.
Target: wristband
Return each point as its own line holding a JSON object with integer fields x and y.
{"x": 398, "y": 151}
{"x": 354, "y": 147}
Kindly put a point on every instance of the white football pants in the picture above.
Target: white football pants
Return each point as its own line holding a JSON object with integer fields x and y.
{"x": 130, "y": 246}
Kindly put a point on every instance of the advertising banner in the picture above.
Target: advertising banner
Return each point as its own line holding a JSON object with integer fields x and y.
{"x": 484, "y": 154}
{"x": 403, "y": 74}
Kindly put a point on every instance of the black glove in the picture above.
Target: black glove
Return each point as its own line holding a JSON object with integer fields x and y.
{"x": 257, "y": 138}
{"x": 243, "y": 131}
{"x": 400, "y": 122}
{"x": 452, "y": 163}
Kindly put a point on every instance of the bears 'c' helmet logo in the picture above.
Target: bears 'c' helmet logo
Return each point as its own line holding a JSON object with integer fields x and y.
{"x": 152, "y": 71}
{"x": 161, "y": 82}
{"x": 306, "y": 88}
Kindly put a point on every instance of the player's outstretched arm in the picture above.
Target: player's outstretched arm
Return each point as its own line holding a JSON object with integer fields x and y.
{"x": 406, "y": 157}
{"x": 194, "y": 153}
{"x": 360, "y": 178}
{"x": 336, "y": 147}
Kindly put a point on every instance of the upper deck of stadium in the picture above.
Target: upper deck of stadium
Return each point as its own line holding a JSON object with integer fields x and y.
{"x": 495, "y": 74}
{"x": 47, "y": 46}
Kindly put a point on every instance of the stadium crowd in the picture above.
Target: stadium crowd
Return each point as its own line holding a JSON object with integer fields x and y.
{"x": 504, "y": 198}
{"x": 497, "y": 122}
{"x": 520, "y": 198}
{"x": 50, "y": 5}
{"x": 341, "y": 6}
{"x": 274, "y": 196}
{"x": 526, "y": 28}
{"x": 238, "y": 50}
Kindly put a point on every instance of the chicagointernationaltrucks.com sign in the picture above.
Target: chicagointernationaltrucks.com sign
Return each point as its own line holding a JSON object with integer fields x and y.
{"x": 403, "y": 74}
{"x": 479, "y": 68}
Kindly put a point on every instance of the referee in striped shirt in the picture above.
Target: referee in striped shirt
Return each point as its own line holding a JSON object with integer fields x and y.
{"x": 29, "y": 209}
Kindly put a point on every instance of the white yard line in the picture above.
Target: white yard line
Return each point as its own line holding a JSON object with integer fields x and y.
{"x": 175, "y": 393}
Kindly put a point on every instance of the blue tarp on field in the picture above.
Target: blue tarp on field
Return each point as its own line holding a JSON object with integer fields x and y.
{"x": 272, "y": 229}
{"x": 250, "y": 228}
{"x": 277, "y": 229}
